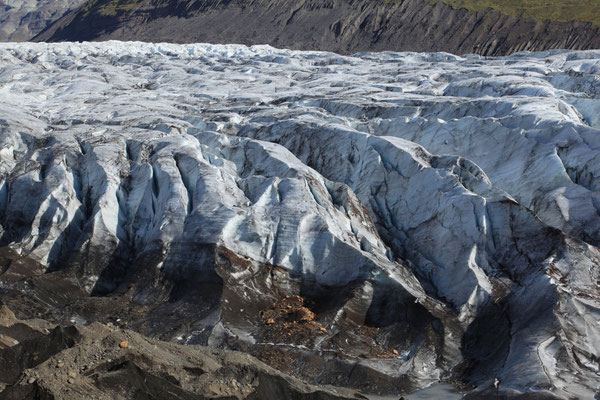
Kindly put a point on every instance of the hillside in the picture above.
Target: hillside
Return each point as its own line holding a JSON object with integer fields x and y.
{"x": 20, "y": 20}
{"x": 344, "y": 26}
{"x": 553, "y": 10}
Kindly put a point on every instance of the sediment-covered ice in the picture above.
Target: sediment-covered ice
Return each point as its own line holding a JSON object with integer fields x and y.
{"x": 469, "y": 186}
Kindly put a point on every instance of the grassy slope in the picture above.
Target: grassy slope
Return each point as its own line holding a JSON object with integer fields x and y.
{"x": 108, "y": 8}
{"x": 555, "y": 10}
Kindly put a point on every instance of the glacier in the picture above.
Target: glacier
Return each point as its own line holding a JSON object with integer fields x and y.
{"x": 443, "y": 206}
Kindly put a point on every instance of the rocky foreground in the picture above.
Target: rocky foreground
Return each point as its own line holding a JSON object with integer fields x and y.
{"x": 41, "y": 361}
{"x": 381, "y": 221}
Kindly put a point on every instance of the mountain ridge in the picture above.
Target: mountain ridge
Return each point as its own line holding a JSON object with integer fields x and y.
{"x": 343, "y": 26}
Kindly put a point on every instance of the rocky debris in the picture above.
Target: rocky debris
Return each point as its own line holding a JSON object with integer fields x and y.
{"x": 6, "y": 341}
{"x": 444, "y": 207}
{"x": 343, "y": 26}
{"x": 13, "y": 331}
{"x": 92, "y": 368}
{"x": 289, "y": 321}
{"x": 6, "y": 313}
{"x": 21, "y": 20}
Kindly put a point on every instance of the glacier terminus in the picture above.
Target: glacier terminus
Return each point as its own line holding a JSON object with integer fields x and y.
{"x": 435, "y": 217}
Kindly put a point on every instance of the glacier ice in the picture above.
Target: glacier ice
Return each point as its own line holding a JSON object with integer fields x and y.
{"x": 463, "y": 188}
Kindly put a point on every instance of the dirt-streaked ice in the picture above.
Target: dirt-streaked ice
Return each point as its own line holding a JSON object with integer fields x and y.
{"x": 470, "y": 185}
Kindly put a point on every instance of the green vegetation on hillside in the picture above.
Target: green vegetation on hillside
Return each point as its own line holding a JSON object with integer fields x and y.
{"x": 554, "y": 10}
{"x": 108, "y": 8}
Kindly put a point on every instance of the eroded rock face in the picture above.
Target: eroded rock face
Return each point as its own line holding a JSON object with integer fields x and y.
{"x": 342, "y": 26}
{"x": 21, "y": 20}
{"x": 439, "y": 206}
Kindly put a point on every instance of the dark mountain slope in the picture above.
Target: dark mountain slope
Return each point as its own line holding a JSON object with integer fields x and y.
{"x": 344, "y": 26}
{"x": 20, "y": 20}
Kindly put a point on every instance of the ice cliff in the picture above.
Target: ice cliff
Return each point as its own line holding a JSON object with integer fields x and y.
{"x": 450, "y": 203}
